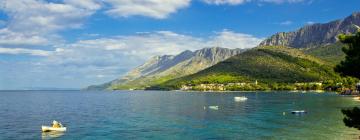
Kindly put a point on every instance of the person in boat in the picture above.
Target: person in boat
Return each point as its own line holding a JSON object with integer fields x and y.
{"x": 56, "y": 124}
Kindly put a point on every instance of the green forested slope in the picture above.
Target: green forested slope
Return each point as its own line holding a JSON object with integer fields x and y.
{"x": 267, "y": 64}
{"x": 332, "y": 53}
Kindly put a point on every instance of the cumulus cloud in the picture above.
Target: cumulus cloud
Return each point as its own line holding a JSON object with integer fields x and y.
{"x": 159, "y": 9}
{"x": 103, "y": 59}
{"x": 145, "y": 45}
{"x": 141, "y": 46}
{"x": 221, "y": 2}
{"x": 122, "y": 51}
{"x": 24, "y": 51}
{"x": 36, "y": 22}
{"x": 130, "y": 51}
{"x": 231, "y": 39}
{"x": 33, "y": 24}
{"x": 10, "y": 38}
{"x": 37, "y": 17}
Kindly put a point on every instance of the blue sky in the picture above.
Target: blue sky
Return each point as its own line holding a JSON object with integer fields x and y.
{"x": 72, "y": 43}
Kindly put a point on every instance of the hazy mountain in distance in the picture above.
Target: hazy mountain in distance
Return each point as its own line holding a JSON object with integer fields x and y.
{"x": 162, "y": 68}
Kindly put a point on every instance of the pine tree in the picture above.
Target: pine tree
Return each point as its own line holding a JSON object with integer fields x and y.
{"x": 351, "y": 67}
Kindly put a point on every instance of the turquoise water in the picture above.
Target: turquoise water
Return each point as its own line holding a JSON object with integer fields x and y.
{"x": 173, "y": 115}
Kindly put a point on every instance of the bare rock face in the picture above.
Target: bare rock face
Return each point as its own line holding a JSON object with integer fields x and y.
{"x": 185, "y": 63}
{"x": 316, "y": 34}
{"x": 158, "y": 64}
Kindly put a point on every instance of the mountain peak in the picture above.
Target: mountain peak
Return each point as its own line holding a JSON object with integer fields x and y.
{"x": 216, "y": 54}
{"x": 316, "y": 34}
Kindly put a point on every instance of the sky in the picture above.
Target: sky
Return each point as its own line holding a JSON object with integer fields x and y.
{"x": 76, "y": 43}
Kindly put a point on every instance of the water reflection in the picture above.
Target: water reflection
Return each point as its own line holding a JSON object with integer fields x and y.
{"x": 51, "y": 135}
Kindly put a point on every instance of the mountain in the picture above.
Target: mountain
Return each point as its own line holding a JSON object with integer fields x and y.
{"x": 315, "y": 35}
{"x": 319, "y": 40}
{"x": 305, "y": 55}
{"x": 163, "y": 68}
{"x": 266, "y": 64}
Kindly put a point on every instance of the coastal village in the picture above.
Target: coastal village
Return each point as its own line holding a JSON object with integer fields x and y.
{"x": 314, "y": 86}
{"x": 213, "y": 87}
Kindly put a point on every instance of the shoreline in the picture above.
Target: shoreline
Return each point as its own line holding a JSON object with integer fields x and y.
{"x": 229, "y": 91}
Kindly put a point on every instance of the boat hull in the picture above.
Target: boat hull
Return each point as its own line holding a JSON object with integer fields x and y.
{"x": 239, "y": 99}
{"x": 299, "y": 112}
{"x": 49, "y": 128}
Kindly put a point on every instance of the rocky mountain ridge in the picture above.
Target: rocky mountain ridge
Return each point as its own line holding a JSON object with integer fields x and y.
{"x": 162, "y": 68}
{"x": 316, "y": 34}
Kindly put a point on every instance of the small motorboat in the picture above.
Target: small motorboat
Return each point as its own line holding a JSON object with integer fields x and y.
{"x": 298, "y": 112}
{"x": 57, "y": 126}
{"x": 214, "y": 107}
{"x": 239, "y": 99}
{"x": 50, "y": 128}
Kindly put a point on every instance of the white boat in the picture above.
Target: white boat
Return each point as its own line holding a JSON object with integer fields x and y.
{"x": 214, "y": 107}
{"x": 298, "y": 112}
{"x": 50, "y": 128}
{"x": 239, "y": 99}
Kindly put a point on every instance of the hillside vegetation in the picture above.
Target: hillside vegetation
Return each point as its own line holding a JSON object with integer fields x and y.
{"x": 266, "y": 64}
{"x": 332, "y": 54}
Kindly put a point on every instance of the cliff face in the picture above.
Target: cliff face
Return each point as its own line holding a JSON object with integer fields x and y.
{"x": 316, "y": 34}
{"x": 162, "y": 68}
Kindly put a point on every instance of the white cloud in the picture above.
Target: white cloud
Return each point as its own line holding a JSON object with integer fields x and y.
{"x": 38, "y": 17}
{"x": 16, "y": 51}
{"x": 85, "y": 4}
{"x": 36, "y": 22}
{"x": 10, "y": 38}
{"x": 116, "y": 55}
{"x": 222, "y": 2}
{"x": 286, "y": 23}
{"x": 159, "y": 9}
{"x": 231, "y": 39}
{"x": 129, "y": 51}
{"x": 139, "y": 47}
{"x": 100, "y": 60}
{"x": 310, "y": 22}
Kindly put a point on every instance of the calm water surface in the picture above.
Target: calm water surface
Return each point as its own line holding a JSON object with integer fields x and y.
{"x": 173, "y": 115}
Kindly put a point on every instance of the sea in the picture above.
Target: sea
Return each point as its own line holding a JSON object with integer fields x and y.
{"x": 175, "y": 115}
